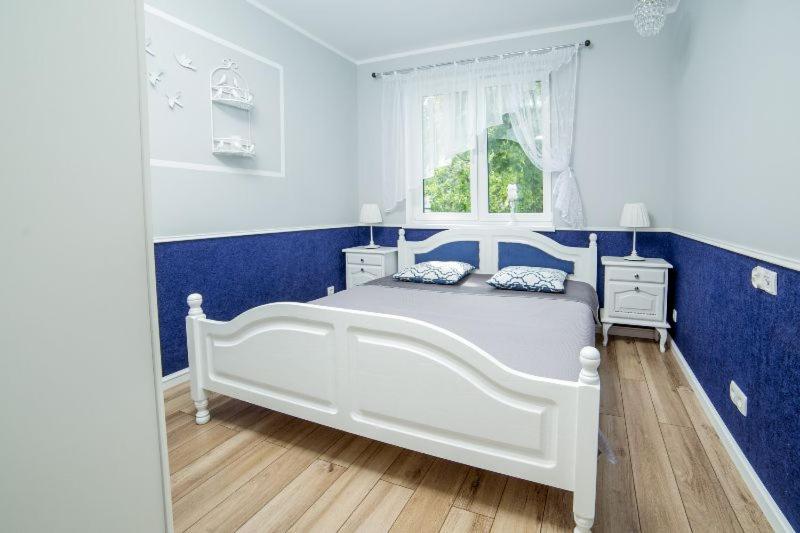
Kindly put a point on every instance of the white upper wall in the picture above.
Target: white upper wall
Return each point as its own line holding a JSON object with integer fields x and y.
{"x": 623, "y": 130}
{"x": 320, "y": 103}
{"x": 736, "y": 77}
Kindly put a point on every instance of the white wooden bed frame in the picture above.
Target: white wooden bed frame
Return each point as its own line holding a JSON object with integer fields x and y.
{"x": 410, "y": 383}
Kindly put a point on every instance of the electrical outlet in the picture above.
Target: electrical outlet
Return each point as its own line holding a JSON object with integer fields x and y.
{"x": 331, "y": 290}
{"x": 738, "y": 398}
{"x": 674, "y": 316}
{"x": 765, "y": 279}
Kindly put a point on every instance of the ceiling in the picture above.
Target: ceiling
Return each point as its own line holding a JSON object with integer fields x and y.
{"x": 364, "y": 30}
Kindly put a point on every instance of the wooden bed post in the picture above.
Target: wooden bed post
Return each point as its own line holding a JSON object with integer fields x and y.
{"x": 583, "y": 505}
{"x": 195, "y": 357}
{"x": 403, "y": 259}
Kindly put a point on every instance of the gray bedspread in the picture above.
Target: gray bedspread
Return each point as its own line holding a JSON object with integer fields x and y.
{"x": 535, "y": 333}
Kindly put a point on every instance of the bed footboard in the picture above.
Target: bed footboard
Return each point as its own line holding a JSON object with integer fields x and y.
{"x": 404, "y": 382}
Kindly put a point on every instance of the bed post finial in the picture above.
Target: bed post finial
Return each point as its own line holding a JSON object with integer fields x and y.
{"x": 195, "y": 300}
{"x": 593, "y": 240}
{"x": 401, "y": 235}
{"x": 590, "y": 360}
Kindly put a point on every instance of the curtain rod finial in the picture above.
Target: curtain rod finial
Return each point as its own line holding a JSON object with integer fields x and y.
{"x": 374, "y": 74}
{"x": 587, "y": 42}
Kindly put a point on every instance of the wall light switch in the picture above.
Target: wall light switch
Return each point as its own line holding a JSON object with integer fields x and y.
{"x": 738, "y": 398}
{"x": 331, "y": 290}
{"x": 765, "y": 279}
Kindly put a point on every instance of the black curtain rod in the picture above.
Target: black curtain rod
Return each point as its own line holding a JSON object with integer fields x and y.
{"x": 585, "y": 44}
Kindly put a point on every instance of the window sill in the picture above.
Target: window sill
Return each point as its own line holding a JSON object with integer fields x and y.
{"x": 532, "y": 225}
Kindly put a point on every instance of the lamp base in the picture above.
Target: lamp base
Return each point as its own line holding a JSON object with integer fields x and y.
{"x": 633, "y": 258}
{"x": 372, "y": 246}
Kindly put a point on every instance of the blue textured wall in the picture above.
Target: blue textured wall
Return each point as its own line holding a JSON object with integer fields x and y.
{"x": 236, "y": 273}
{"x": 727, "y": 330}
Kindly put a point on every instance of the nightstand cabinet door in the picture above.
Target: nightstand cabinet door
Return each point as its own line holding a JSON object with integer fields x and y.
{"x": 636, "y": 301}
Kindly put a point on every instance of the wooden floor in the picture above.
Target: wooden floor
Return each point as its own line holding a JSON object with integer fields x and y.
{"x": 251, "y": 469}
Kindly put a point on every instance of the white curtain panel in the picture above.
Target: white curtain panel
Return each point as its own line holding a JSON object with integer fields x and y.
{"x": 430, "y": 115}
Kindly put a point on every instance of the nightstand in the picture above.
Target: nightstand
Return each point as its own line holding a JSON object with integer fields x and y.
{"x": 365, "y": 264}
{"x": 635, "y": 295}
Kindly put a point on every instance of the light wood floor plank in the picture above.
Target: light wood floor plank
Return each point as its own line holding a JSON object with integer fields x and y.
{"x": 379, "y": 510}
{"x": 428, "y": 507}
{"x": 657, "y": 495}
{"x": 209, "y": 464}
{"x": 610, "y": 394}
{"x": 288, "y": 505}
{"x": 616, "y": 496}
{"x": 462, "y": 521}
{"x": 334, "y": 507}
{"x": 264, "y": 485}
{"x": 197, "y": 503}
{"x": 200, "y": 445}
{"x": 705, "y": 502}
{"x": 677, "y": 377}
{"x": 246, "y": 417}
{"x": 291, "y": 432}
{"x": 215, "y": 401}
{"x": 666, "y": 401}
{"x": 176, "y": 420}
{"x": 408, "y": 469}
{"x": 558, "y": 512}
{"x": 750, "y": 516}
{"x": 521, "y": 508}
{"x": 178, "y": 403}
{"x": 627, "y": 357}
{"x": 346, "y": 450}
{"x": 481, "y": 491}
{"x": 177, "y": 390}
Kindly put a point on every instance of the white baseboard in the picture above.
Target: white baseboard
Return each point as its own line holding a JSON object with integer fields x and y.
{"x": 762, "y": 496}
{"x": 176, "y": 378}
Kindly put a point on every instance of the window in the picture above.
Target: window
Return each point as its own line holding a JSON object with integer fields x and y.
{"x": 472, "y": 185}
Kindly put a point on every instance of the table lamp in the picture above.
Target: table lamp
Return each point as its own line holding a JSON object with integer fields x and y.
{"x": 370, "y": 214}
{"x": 634, "y": 216}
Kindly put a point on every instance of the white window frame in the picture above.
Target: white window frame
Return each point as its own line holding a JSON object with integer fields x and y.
{"x": 479, "y": 179}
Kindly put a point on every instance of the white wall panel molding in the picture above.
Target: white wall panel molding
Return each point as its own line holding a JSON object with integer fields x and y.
{"x": 786, "y": 262}
{"x": 264, "y": 231}
{"x": 252, "y": 55}
{"x": 762, "y": 496}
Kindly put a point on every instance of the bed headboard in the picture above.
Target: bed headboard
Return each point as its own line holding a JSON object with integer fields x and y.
{"x": 495, "y": 248}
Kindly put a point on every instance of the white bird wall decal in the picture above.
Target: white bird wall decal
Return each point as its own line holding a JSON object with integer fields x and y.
{"x": 185, "y": 61}
{"x": 147, "y": 42}
{"x": 154, "y": 77}
{"x": 175, "y": 100}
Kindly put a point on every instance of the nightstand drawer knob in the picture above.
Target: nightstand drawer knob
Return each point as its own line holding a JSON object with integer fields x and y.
{"x": 362, "y": 260}
{"x": 362, "y": 270}
{"x": 635, "y": 288}
{"x": 636, "y": 276}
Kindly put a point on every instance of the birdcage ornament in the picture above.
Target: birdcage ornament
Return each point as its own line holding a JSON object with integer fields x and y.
{"x": 229, "y": 88}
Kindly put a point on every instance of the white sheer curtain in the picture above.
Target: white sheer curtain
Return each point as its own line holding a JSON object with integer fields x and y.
{"x": 530, "y": 88}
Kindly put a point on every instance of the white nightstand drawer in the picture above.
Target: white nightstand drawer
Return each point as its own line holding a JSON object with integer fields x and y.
{"x": 635, "y": 301}
{"x": 358, "y": 275}
{"x": 365, "y": 259}
{"x": 643, "y": 275}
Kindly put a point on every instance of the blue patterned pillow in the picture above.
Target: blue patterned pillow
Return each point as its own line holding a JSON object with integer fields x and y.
{"x": 438, "y": 272}
{"x": 526, "y": 278}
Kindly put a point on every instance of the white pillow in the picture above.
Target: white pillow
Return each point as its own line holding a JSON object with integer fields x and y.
{"x": 438, "y": 272}
{"x": 526, "y": 278}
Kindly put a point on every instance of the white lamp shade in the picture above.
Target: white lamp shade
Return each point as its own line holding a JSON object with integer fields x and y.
{"x": 634, "y": 216}
{"x": 370, "y": 214}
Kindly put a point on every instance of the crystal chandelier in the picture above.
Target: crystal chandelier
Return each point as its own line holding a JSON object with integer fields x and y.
{"x": 648, "y": 16}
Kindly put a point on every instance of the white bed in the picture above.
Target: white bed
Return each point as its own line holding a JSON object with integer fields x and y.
{"x": 383, "y": 376}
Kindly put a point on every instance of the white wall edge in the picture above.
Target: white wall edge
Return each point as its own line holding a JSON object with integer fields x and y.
{"x": 504, "y": 37}
{"x": 302, "y": 31}
{"x": 762, "y": 496}
{"x": 245, "y": 233}
{"x": 176, "y": 378}
{"x": 786, "y": 262}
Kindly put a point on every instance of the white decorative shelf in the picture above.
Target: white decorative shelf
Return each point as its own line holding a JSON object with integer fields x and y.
{"x": 232, "y": 95}
{"x": 229, "y": 88}
{"x": 235, "y": 146}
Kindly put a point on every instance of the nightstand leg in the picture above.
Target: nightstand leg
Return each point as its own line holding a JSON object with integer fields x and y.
{"x": 662, "y": 339}
{"x": 606, "y": 327}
